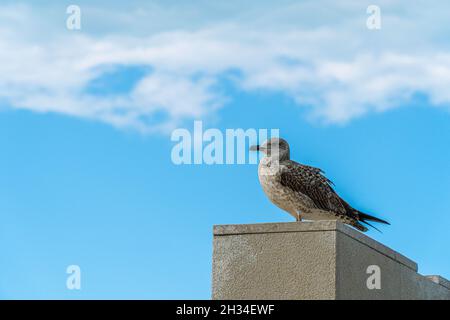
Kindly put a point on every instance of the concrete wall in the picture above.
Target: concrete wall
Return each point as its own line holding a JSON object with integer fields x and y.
{"x": 312, "y": 260}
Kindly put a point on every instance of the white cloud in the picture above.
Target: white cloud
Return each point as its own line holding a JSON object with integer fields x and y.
{"x": 317, "y": 52}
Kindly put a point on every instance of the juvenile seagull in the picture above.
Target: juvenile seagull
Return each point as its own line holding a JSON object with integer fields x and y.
{"x": 301, "y": 190}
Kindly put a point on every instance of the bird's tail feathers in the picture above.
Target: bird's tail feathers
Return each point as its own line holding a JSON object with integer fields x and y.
{"x": 371, "y": 225}
{"x": 359, "y": 226}
{"x": 363, "y": 217}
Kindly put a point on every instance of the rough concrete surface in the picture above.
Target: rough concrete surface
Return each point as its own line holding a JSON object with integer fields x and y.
{"x": 312, "y": 260}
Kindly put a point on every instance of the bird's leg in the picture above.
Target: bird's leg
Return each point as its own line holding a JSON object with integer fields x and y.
{"x": 299, "y": 217}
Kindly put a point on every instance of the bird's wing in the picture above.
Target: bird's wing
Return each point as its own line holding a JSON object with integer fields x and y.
{"x": 311, "y": 182}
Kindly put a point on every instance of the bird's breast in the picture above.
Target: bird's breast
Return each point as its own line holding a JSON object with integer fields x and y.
{"x": 269, "y": 179}
{"x": 279, "y": 194}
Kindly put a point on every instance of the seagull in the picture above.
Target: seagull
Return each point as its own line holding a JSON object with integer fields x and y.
{"x": 303, "y": 191}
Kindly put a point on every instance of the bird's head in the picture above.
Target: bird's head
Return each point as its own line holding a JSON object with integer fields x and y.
{"x": 274, "y": 147}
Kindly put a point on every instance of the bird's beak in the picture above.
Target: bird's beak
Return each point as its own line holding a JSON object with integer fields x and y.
{"x": 254, "y": 148}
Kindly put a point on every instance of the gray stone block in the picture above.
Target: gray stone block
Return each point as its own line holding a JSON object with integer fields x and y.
{"x": 312, "y": 260}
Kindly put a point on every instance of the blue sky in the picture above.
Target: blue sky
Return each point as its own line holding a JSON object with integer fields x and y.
{"x": 86, "y": 176}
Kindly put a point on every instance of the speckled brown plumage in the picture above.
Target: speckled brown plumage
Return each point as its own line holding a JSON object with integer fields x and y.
{"x": 302, "y": 190}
